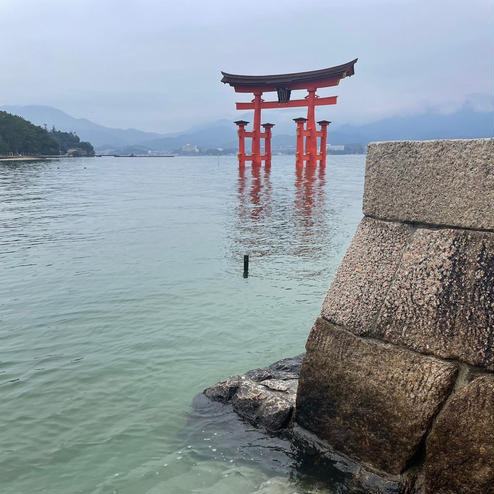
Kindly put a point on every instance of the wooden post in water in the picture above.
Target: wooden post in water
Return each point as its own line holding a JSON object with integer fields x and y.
{"x": 246, "y": 265}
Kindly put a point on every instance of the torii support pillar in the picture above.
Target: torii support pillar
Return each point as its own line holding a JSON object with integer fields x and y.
{"x": 307, "y": 137}
{"x": 323, "y": 134}
{"x": 241, "y": 141}
{"x": 267, "y": 143}
{"x": 299, "y": 154}
{"x": 255, "y": 156}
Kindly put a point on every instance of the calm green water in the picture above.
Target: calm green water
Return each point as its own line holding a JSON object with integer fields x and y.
{"x": 122, "y": 297}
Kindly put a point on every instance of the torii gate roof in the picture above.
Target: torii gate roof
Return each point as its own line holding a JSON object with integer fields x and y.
{"x": 298, "y": 80}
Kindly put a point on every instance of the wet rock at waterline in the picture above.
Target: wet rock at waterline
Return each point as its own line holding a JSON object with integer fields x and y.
{"x": 264, "y": 397}
{"x": 462, "y": 442}
{"x": 367, "y": 399}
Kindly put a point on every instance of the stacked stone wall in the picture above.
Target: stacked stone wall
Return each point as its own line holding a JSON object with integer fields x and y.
{"x": 398, "y": 369}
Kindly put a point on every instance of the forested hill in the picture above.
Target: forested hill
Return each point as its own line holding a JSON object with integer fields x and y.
{"x": 18, "y": 136}
{"x": 69, "y": 142}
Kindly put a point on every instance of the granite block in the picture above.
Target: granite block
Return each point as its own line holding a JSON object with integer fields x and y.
{"x": 369, "y": 400}
{"x": 460, "y": 447}
{"x": 365, "y": 274}
{"x": 441, "y": 301}
{"x": 441, "y": 182}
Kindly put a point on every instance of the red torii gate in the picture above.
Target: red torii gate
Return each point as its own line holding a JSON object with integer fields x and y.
{"x": 284, "y": 84}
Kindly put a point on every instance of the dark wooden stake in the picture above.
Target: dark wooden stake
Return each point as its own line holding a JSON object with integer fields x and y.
{"x": 246, "y": 266}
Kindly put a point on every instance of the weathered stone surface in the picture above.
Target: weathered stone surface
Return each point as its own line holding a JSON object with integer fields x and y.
{"x": 265, "y": 397}
{"x": 305, "y": 463}
{"x": 369, "y": 400}
{"x": 224, "y": 390}
{"x": 263, "y": 405}
{"x": 353, "y": 475}
{"x": 443, "y": 182}
{"x": 365, "y": 274}
{"x": 441, "y": 301}
{"x": 288, "y": 368}
{"x": 460, "y": 447}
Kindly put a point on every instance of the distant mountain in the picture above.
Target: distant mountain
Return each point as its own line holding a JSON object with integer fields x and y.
{"x": 463, "y": 124}
{"x": 221, "y": 133}
{"x": 466, "y": 123}
{"x": 98, "y": 135}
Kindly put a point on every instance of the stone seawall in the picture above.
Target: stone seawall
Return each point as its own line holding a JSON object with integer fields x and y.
{"x": 396, "y": 388}
{"x": 398, "y": 369}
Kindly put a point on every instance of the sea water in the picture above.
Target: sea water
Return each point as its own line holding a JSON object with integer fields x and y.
{"x": 122, "y": 298}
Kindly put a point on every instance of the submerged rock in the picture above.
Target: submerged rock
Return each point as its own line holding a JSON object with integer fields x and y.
{"x": 265, "y": 397}
{"x": 224, "y": 390}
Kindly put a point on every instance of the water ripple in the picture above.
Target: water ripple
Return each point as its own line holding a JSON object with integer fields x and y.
{"x": 122, "y": 297}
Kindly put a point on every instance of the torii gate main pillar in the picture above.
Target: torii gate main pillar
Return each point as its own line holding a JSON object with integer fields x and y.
{"x": 256, "y": 137}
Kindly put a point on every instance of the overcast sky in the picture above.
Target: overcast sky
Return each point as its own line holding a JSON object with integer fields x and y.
{"x": 155, "y": 64}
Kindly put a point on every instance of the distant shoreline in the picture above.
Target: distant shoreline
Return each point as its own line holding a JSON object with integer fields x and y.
{"x": 43, "y": 158}
{"x": 24, "y": 158}
{"x": 37, "y": 158}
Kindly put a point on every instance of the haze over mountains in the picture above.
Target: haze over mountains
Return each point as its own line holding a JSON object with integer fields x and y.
{"x": 97, "y": 135}
{"x": 464, "y": 123}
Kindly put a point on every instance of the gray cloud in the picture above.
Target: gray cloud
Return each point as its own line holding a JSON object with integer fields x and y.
{"x": 155, "y": 65}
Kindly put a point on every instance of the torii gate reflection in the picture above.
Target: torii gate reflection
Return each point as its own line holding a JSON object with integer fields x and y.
{"x": 263, "y": 217}
{"x": 310, "y": 209}
{"x": 257, "y": 202}
{"x": 309, "y": 190}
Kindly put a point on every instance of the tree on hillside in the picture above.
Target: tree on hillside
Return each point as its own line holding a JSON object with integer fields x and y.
{"x": 19, "y": 136}
{"x": 70, "y": 140}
